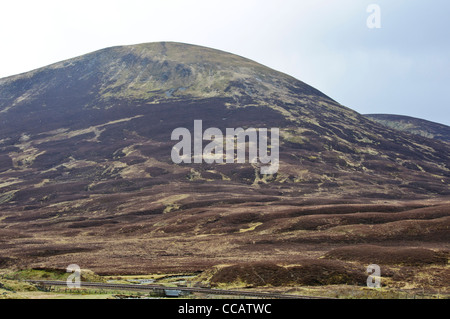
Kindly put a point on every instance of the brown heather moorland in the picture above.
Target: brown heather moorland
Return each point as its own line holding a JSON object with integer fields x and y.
{"x": 86, "y": 177}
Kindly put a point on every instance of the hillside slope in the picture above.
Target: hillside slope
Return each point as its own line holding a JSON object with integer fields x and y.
{"x": 413, "y": 125}
{"x": 86, "y": 174}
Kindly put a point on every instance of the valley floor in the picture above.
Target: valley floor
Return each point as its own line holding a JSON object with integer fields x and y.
{"x": 321, "y": 250}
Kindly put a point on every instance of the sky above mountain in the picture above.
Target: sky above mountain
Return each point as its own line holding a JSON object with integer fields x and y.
{"x": 401, "y": 68}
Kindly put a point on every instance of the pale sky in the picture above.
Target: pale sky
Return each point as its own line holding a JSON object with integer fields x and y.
{"x": 401, "y": 68}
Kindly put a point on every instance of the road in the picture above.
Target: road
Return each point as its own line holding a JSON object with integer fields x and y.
{"x": 153, "y": 287}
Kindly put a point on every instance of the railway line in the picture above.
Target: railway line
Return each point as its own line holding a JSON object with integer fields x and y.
{"x": 153, "y": 287}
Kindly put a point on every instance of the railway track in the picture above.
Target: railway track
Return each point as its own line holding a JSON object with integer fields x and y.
{"x": 152, "y": 287}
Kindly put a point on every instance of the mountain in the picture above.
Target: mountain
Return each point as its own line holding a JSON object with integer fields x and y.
{"x": 413, "y": 125}
{"x": 86, "y": 174}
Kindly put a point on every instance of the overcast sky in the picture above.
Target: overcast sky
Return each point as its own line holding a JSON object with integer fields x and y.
{"x": 401, "y": 68}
